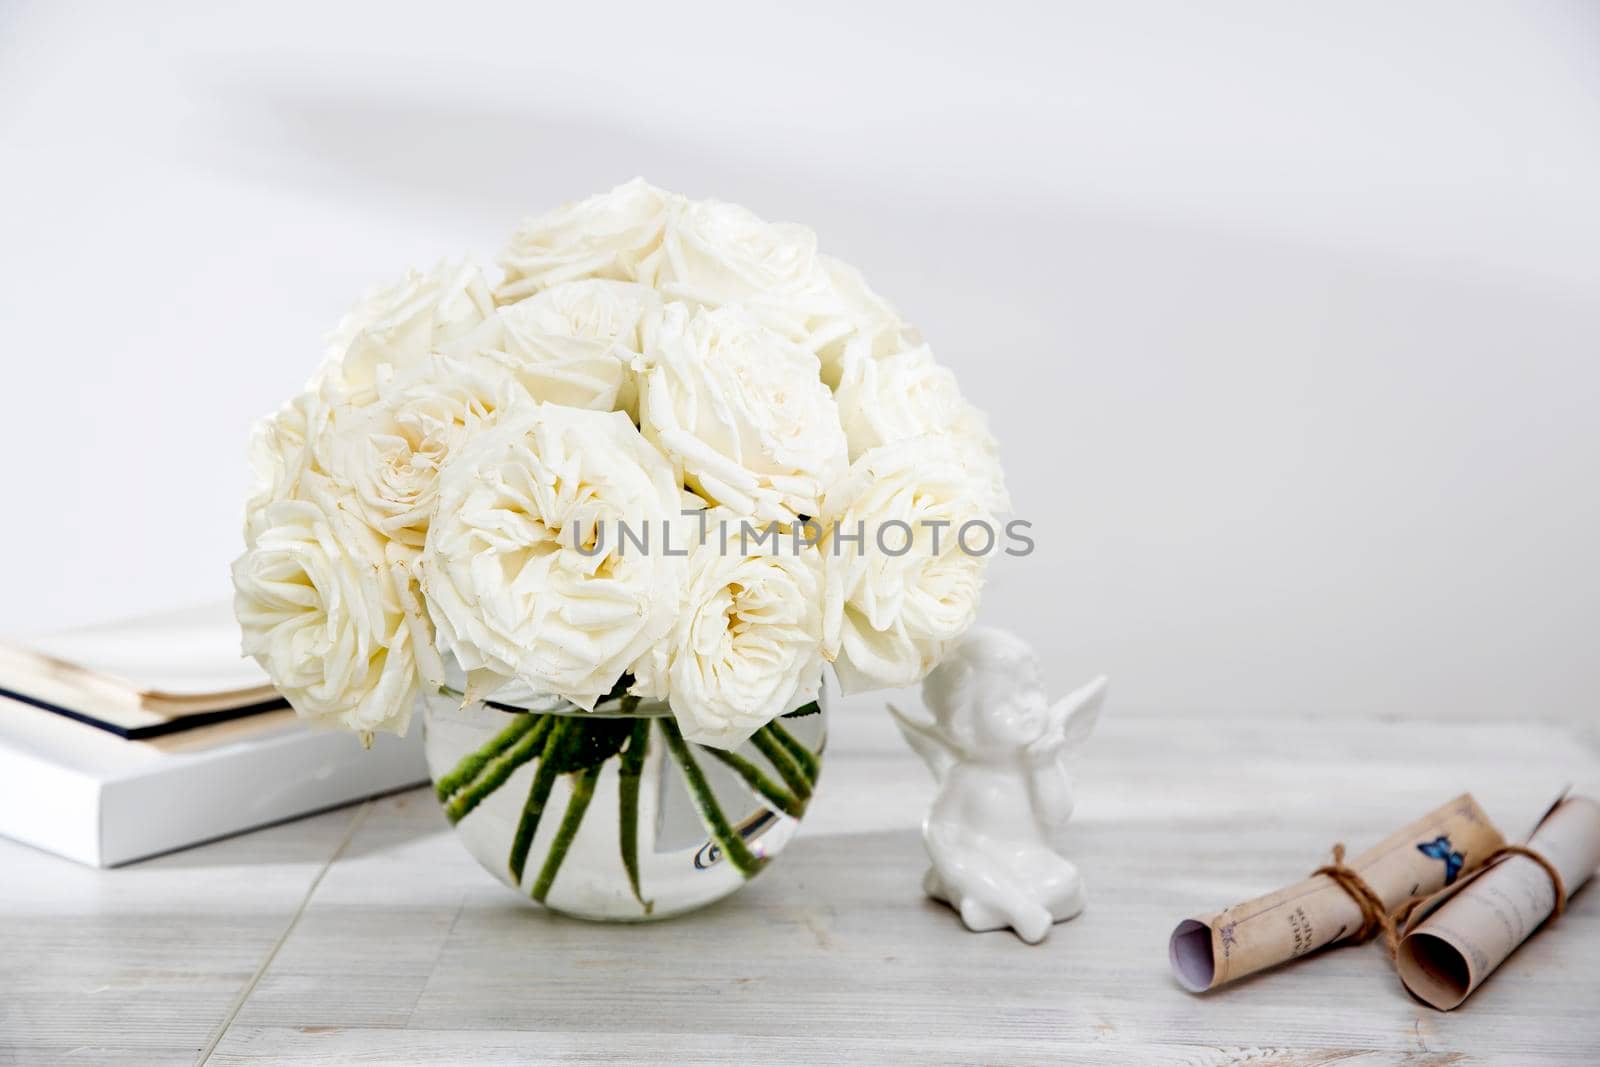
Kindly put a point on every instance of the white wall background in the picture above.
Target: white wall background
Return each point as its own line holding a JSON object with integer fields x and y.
{"x": 1288, "y": 316}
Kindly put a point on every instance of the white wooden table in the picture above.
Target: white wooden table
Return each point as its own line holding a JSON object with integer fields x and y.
{"x": 367, "y": 934}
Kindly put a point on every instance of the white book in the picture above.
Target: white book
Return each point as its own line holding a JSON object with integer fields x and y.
{"x": 86, "y": 793}
{"x": 94, "y": 797}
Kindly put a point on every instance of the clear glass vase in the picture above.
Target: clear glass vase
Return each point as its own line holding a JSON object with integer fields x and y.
{"x": 611, "y": 814}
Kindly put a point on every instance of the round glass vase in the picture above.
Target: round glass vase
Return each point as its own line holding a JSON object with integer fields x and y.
{"x": 611, "y": 814}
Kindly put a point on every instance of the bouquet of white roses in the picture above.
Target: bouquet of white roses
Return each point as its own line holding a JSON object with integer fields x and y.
{"x": 655, "y": 459}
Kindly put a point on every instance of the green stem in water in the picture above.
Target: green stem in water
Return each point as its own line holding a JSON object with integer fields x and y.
{"x": 577, "y": 804}
{"x": 629, "y": 770}
{"x": 559, "y": 739}
{"x": 760, "y": 783}
{"x": 732, "y": 845}
{"x": 786, "y": 766}
{"x": 473, "y": 764}
{"x": 802, "y": 755}
{"x": 502, "y": 769}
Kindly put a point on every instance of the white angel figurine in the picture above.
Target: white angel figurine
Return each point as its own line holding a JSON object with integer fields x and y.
{"x": 997, "y": 746}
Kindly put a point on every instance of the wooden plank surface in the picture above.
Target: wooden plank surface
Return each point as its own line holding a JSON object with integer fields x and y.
{"x": 368, "y": 935}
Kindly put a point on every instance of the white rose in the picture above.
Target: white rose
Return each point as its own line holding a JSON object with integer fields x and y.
{"x": 398, "y": 329}
{"x": 747, "y": 644}
{"x": 741, "y": 410}
{"x": 572, "y": 344}
{"x": 613, "y": 235}
{"x": 892, "y": 614}
{"x": 389, "y": 452}
{"x": 524, "y": 572}
{"x": 717, "y": 254}
{"x": 883, "y": 401}
{"x": 282, "y": 451}
{"x": 319, "y": 599}
{"x": 861, "y": 318}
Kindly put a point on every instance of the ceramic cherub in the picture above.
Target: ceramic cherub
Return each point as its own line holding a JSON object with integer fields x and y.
{"x": 996, "y": 746}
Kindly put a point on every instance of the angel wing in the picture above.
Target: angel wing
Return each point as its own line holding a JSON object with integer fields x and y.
{"x": 927, "y": 741}
{"x": 1073, "y": 717}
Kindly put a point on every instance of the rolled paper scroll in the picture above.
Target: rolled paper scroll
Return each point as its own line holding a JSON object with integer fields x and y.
{"x": 1422, "y": 857}
{"x": 1456, "y": 938}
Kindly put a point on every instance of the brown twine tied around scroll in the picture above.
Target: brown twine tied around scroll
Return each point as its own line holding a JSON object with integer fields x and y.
{"x": 1404, "y": 912}
{"x": 1556, "y": 881}
{"x": 1374, "y": 916}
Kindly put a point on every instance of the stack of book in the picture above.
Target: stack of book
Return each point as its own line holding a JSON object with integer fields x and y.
{"x": 123, "y": 741}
